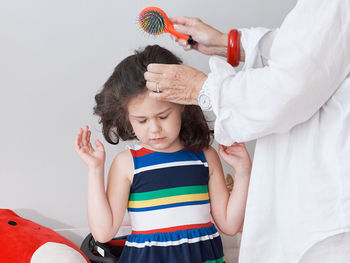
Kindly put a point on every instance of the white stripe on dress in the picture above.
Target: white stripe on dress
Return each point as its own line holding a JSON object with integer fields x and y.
{"x": 171, "y": 243}
{"x": 170, "y": 217}
{"x": 170, "y": 164}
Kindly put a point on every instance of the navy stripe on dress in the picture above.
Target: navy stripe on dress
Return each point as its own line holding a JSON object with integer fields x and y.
{"x": 169, "y": 177}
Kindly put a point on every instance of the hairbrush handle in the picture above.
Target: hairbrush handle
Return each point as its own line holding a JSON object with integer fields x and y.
{"x": 188, "y": 38}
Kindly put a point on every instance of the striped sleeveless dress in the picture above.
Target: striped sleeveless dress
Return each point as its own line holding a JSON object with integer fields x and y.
{"x": 169, "y": 209}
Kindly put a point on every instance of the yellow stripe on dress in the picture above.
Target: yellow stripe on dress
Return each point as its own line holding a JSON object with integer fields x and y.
{"x": 169, "y": 200}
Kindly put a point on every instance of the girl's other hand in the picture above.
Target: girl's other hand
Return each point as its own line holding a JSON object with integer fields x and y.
{"x": 236, "y": 156}
{"x": 91, "y": 157}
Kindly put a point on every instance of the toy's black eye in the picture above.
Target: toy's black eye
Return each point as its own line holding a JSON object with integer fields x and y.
{"x": 12, "y": 223}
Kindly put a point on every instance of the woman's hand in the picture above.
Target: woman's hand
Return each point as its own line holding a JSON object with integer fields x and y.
{"x": 237, "y": 157}
{"x": 92, "y": 158}
{"x": 209, "y": 40}
{"x": 175, "y": 83}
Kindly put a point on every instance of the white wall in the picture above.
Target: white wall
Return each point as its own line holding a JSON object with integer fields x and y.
{"x": 54, "y": 56}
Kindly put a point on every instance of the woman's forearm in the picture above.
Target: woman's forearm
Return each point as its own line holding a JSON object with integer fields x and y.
{"x": 221, "y": 50}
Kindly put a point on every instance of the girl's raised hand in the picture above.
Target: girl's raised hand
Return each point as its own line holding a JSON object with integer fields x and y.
{"x": 236, "y": 156}
{"x": 91, "y": 157}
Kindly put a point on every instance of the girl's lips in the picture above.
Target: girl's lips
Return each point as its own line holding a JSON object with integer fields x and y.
{"x": 157, "y": 139}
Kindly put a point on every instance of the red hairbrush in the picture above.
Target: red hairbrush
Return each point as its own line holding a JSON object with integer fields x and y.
{"x": 154, "y": 21}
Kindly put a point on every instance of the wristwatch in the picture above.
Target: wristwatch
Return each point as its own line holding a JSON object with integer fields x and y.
{"x": 204, "y": 99}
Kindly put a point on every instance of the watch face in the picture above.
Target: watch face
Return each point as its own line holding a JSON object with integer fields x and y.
{"x": 204, "y": 101}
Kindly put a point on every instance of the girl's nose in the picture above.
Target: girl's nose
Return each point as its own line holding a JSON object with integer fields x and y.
{"x": 155, "y": 126}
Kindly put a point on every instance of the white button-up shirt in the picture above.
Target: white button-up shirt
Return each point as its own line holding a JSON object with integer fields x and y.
{"x": 293, "y": 96}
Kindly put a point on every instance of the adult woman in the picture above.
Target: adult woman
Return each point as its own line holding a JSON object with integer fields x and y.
{"x": 293, "y": 97}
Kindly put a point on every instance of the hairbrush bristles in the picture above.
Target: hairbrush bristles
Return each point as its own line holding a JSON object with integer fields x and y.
{"x": 153, "y": 22}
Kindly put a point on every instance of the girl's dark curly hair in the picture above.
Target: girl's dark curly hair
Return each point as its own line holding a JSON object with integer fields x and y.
{"x": 126, "y": 82}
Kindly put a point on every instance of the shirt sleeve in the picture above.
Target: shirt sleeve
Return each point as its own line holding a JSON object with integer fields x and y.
{"x": 257, "y": 44}
{"x": 288, "y": 74}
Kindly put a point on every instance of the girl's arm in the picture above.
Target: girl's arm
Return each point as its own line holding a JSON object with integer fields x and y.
{"x": 105, "y": 209}
{"x": 228, "y": 210}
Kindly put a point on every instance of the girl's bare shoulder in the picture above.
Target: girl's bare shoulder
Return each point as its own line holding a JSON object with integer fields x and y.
{"x": 123, "y": 165}
{"x": 213, "y": 160}
{"x": 211, "y": 154}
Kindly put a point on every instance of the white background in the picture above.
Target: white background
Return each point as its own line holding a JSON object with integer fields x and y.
{"x": 55, "y": 55}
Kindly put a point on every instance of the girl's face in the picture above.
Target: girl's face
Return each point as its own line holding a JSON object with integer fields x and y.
{"x": 156, "y": 123}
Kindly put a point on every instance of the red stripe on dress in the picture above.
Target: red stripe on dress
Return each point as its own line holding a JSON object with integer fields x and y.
{"x": 117, "y": 243}
{"x": 172, "y": 229}
{"x": 140, "y": 152}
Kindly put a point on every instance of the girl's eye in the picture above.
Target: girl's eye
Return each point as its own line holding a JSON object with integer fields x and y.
{"x": 142, "y": 121}
{"x": 163, "y": 117}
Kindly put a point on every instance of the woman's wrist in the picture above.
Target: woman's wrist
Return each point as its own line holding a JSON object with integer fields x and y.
{"x": 199, "y": 84}
{"x": 234, "y": 47}
{"x": 241, "y": 50}
{"x": 221, "y": 48}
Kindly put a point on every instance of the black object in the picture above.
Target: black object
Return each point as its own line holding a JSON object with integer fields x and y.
{"x": 12, "y": 223}
{"x": 98, "y": 252}
{"x": 191, "y": 41}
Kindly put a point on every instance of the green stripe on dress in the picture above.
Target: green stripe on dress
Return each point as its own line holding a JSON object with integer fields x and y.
{"x": 219, "y": 260}
{"x": 184, "y": 190}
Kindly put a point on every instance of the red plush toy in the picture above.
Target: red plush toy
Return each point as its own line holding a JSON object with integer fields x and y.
{"x": 23, "y": 241}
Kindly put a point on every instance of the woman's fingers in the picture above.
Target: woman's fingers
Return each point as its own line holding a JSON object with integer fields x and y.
{"x": 159, "y": 68}
{"x": 161, "y": 96}
{"x": 181, "y": 20}
{"x": 182, "y": 43}
{"x": 175, "y": 83}
{"x": 154, "y": 76}
{"x": 182, "y": 29}
{"x": 187, "y": 47}
{"x": 159, "y": 77}
{"x": 167, "y": 93}
{"x": 167, "y": 75}
{"x": 153, "y": 86}
{"x": 183, "y": 25}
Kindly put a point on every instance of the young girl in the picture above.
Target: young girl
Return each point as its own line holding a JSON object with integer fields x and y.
{"x": 171, "y": 182}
